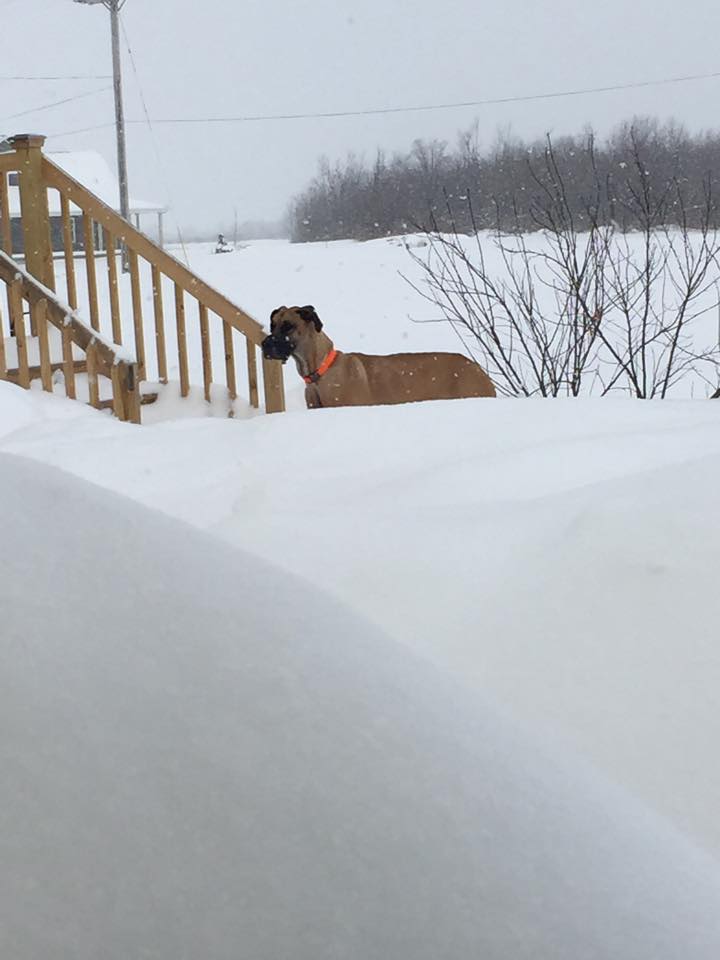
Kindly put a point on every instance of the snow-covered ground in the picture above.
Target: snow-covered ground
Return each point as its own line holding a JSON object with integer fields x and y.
{"x": 308, "y": 718}
{"x": 357, "y": 288}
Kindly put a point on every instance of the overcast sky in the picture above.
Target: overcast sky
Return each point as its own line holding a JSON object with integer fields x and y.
{"x": 201, "y": 58}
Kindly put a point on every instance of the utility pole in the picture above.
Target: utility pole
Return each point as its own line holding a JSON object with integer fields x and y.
{"x": 115, "y": 6}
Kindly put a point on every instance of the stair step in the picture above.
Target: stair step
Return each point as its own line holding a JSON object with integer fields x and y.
{"x": 145, "y": 399}
{"x": 13, "y": 374}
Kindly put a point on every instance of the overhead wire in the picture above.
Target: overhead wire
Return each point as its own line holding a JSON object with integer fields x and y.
{"x": 416, "y": 108}
{"x": 158, "y": 158}
{"x": 55, "y": 103}
{"x": 89, "y": 76}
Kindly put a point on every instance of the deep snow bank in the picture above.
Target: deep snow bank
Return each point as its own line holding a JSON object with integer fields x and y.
{"x": 204, "y": 758}
{"x": 561, "y": 555}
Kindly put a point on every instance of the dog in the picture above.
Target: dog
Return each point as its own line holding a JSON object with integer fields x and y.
{"x": 335, "y": 379}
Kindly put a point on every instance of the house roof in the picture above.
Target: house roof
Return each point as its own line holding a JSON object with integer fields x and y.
{"x": 92, "y": 171}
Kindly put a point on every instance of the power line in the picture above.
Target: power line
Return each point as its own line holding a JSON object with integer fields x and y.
{"x": 442, "y": 106}
{"x": 158, "y": 160}
{"x": 383, "y": 111}
{"x": 56, "y": 103}
{"x": 89, "y": 76}
{"x": 97, "y": 126}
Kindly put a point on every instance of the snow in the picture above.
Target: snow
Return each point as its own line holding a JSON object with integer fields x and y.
{"x": 202, "y": 754}
{"x": 293, "y": 663}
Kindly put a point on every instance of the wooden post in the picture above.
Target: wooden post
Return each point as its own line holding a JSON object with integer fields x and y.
{"x": 206, "y": 355}
{"x": 5, "y": 229}
{"x": 229, "y": 360}
{"x": 159, "y": 325}
{"x": 92, "y": 375}
{"x": 126, "y": 391}
{"x": 68, "y": 249}
{"x": 252, "y": 373}
{"x": 111, "y": 254}
{"x": 137, "y": 312}
{"x": 41, "y": 324}
{"x": 68, "y": 362}
{"x": 34, "y": 209}
{"x": 89, "y": 245}
{"x": 18, "y": 317}
{"x": 182, "y": 341}
{"x": 133, "y": 401}
{"x": 274, "y": 386}
{"x": 3, "y": 364}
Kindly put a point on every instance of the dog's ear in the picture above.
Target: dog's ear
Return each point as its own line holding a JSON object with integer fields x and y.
{"x": 310, "y": 316}
{"x": 276, "y": 310}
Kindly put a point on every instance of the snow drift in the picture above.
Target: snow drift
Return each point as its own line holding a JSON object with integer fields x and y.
{"x": 205, "y": 757}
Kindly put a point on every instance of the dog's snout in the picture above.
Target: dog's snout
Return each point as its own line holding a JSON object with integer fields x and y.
{"x": 276, "y": 348}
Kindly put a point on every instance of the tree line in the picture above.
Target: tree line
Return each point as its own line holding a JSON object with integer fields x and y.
{"x": 466, "y": 188}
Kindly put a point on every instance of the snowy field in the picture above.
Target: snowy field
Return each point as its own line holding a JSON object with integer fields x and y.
{"x": 414, "y": 682}
{"x": 359, "y": 292}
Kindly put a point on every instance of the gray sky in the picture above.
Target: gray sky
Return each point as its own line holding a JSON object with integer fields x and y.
{"x": 250, "y": 57}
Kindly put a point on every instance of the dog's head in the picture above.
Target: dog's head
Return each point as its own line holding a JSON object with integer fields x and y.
{"x": 290, "y": 328}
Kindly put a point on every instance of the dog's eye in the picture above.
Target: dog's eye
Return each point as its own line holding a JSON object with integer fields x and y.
{"x": 286, "y": 329}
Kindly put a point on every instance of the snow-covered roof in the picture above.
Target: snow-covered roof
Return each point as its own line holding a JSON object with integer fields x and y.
{"x": 92, "y": 171}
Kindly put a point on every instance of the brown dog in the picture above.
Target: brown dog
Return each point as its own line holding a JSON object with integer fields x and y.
{"x": 337, "y": 379}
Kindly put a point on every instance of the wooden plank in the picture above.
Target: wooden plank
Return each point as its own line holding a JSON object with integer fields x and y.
{"x": 159, "y": 325}
{"x": 206, "y": 354}
{"x": 14, "y": 302}
{"x": 5, "y": 228}
{"x": 145, "y": 401}
{"x": 20, "y": 333}
{"x": 9, "y": 163}
{"x": 35, "y": 373}
{"x": 126, "y": 388}
{"x": 41, "y": 325}
{"x": 150, "y": 251}
{"x": 28, "y": 287}
{"x": 118, "y": 404}
{"x": 89, "y": 249}
{"x": 137, "y": 313}
{"x": 252, "y": 374}
{"x": 3, "y": 364}
{"x": 111, "y": 254}
{"x": 229, "y": 360}
{"x": 34, "y": 209}
{"x": 132, "y": 401}
{"x": 69, "y": 362}
{"x": 274, "y": 386}
{"x": 92, "y": 374}
{"x": 70, "y": 283}
{"x": 182, "y": 341}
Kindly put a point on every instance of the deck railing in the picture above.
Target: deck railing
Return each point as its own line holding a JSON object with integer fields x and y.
{"x": 192, "y": 300}
{"x": 26, "y": 296}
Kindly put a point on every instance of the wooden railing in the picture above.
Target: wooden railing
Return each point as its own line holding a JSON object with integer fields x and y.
{"x": 27, "y": 296}
{"x": 150, "y": 267}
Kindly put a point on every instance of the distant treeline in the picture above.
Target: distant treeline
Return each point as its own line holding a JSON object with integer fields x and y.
{"x": 643, "y": 164}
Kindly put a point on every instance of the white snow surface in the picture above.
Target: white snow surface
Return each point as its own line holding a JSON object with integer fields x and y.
{"x": 206, "y": 757}
{"x": 300, "y": 729}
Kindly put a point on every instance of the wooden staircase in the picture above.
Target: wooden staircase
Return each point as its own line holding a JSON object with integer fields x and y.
{"x": 95, "y": 353}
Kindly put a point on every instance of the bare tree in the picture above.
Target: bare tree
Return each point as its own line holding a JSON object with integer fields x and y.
{"x": 582, "y": 305}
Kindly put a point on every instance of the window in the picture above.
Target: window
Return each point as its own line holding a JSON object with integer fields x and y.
{"x": 14, "y": 179}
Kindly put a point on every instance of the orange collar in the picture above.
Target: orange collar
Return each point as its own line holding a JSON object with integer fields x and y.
{"x": 323, "y": 368}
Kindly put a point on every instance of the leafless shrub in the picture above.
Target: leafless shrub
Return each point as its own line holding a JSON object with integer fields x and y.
{"x": 582, "y": 305}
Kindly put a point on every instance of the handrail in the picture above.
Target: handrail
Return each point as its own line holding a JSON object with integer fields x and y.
{"x": 61, "y": 315}
{"x": 87, "y": 229}
{"x": 103, "y": 357}
{"x": 9, "y": 163}
{"x": 145, "y": 247}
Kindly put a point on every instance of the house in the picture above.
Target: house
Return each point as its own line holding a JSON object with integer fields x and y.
{"x": 90, "y": 169}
